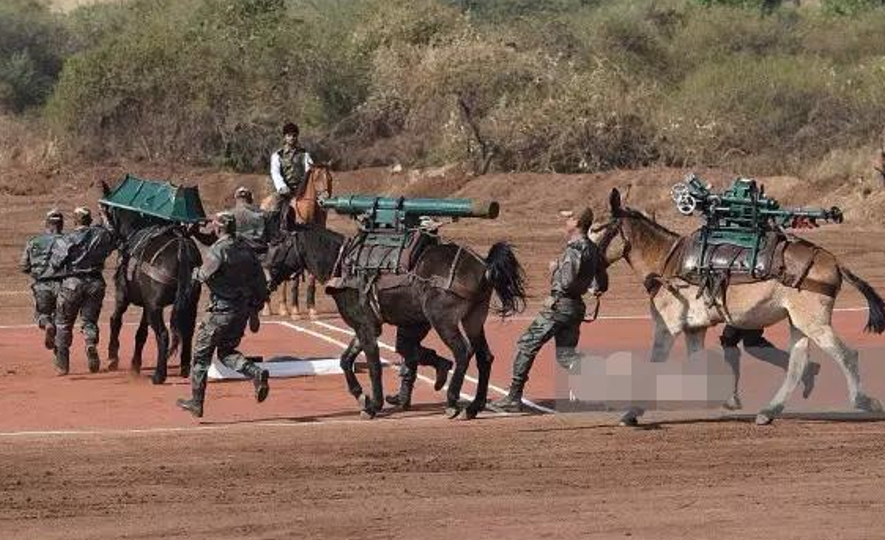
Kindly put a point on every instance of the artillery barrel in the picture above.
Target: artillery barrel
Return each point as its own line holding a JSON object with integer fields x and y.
{"x": 361, "y": 204}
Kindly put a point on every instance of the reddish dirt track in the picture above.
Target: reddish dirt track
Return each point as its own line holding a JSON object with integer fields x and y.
{"x": 109, "y": 456}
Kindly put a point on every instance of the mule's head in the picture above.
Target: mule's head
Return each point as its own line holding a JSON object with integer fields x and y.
{"x": 609, "y": 235}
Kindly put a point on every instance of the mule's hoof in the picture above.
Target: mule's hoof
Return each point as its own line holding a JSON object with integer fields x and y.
{"x": 468, "y": 414}
{"x": 764, "y": 419}
{"x": 158, "y": 378}
{"x": 295, "y": 316}
{"x": 312, "y": 313}
{"x": 733, "y": 404}
{"x": 368, "y": 409}
{"x": 452, "y": 412}
{"x": 628, "y": 421}
{"x": 113, "y": 364}
{"x": 867, "y": 403}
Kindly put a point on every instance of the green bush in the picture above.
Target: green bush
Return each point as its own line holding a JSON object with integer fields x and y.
{"x": 564, "y": 85}
{"x": 32, "y": 48}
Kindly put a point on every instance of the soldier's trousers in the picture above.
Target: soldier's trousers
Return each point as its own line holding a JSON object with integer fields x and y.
{"x": 45, "y": 300}
{"x": 219, "y": 332}
{"x": 408, "y": 345}
{"x": 561, "y": 322}
{"x": 78, "y": 295}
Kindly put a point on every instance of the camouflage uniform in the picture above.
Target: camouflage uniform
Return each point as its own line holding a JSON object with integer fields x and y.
{"x": 81, "y": 258}
{"x": 238, "y": 288}
{"x": 35, "y": 262}
{"x": 251, "y": 226}
{"x": 579, "y": 268}
{"x": 294, "y": 168}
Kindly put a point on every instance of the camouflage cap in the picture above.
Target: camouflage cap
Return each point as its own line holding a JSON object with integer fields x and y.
{"x": 290, "y": 129}
{"x": 583, "y": 215}
{"x": 54, "y": 215}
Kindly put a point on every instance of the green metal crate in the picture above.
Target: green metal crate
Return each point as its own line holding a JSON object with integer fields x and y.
{"x": 158, "y": 198}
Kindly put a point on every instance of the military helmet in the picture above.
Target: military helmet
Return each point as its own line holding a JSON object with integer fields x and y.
{"x": 55, "y": 216}
{"x": 82, "y": 215}
{"x": 584, "y": 217}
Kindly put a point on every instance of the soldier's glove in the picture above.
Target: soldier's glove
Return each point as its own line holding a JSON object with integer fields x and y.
{"x": 195, "y": 275}
{"x": 284, "y": 191}
{"x": 550, "y": 302}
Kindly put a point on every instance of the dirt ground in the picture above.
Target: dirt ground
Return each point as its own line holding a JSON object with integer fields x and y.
{"x": 109, "y": 456}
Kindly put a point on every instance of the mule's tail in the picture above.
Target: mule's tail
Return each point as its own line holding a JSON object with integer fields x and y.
{"x": 507, "y": 278}
{"x": 187, "y": 296}
{"x": 876, "y": 321}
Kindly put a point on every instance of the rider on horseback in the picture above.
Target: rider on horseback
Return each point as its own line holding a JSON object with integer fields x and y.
{"x": 290, "y": 165}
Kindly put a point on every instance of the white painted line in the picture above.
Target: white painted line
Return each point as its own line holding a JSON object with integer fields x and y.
{"x": 497, "y": 389}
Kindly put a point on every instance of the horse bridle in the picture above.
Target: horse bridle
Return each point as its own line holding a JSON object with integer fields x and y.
{"x": 614, "y": 227}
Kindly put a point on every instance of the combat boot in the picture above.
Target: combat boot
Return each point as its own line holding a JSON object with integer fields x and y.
{"x": 194, "y": 405}
{"x": 92, "y": 358}
{"x": 512, "y": 402}
{"x": 61, "y": 361}
{"x": 49, "y": 337}
{"x": 259, "y": 379}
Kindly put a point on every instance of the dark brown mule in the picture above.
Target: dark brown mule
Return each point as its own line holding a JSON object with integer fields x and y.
{"x": 304, "y": 209}
{"x": 160, "y": 276}
{"x": 424, "y": 303}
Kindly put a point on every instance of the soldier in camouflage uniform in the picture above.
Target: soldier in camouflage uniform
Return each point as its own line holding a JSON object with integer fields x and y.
{"x": 35, "y": 262}
{"x": 290, "y": 165}
{"x": 238, "y": 288}
{"x": 80, "y": 257}
{"x": 580, "y": 267}
{"x": 251, "y": 221}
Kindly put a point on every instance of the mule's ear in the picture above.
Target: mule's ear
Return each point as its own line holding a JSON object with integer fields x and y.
{"x": 614, "y": 201}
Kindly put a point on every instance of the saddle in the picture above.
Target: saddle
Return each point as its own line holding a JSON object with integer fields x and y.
{"x": 715, "y": 264}
{"x": 381, "y": 259}
{"x": 133, "y": 253}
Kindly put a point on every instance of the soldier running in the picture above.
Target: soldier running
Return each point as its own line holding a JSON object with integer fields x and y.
{"x": 80, "y": 256}
{"x": 580, "y": 267}
{"x": 238, "y": 288}
{"x": 35, "y": 262}
{"x": 290, "y": 165}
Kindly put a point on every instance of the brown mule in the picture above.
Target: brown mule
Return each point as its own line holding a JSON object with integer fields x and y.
{"x": 677, "y": 308}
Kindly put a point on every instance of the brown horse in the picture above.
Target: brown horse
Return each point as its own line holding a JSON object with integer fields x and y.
{"x": 677, "y": 308}
{"x": 304, "y": 209}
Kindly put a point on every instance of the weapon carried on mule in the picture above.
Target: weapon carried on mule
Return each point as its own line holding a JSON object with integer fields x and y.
{"x": 744, "y": 232}
{"x": 150, "y": 219}
{"x": 398, "y": 271}
{"x": 793, "y": 279}
{"x": 394, "y": 232}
